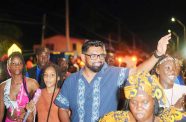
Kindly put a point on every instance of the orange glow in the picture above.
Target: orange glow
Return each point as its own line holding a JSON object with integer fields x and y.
{"x": 78, "y": 61}
{"x": 82, "y": 63}
{"x": 134, "y": 58}
{"x": 119, "y": 59}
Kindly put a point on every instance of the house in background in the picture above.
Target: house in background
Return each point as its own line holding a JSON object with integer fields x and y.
{"x": 58, "y": 43}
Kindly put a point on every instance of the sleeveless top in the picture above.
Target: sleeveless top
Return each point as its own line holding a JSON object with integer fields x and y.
{"x": 21, "y": 99}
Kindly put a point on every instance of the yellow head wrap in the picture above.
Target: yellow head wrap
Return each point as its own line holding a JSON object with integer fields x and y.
{"x": 146, "y": 82}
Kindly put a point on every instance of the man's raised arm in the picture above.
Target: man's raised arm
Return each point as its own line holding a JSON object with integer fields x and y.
{"x": 149, "y": 63}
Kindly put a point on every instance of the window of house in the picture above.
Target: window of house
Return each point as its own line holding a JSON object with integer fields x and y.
{"x": 74, "y": 46}
{"x": 50, "y": 46}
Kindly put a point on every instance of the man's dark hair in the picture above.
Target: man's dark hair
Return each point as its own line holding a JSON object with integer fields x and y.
{"x": 90, "y": 43}
{"x": 42, "y": 49}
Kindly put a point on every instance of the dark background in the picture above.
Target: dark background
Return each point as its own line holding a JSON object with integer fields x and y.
{"x": 144, "y": 21}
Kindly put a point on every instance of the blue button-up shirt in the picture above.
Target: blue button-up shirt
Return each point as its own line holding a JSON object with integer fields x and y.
{"x": 90, "y": 101}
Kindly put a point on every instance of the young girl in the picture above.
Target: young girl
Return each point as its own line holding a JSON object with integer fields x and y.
{"x": 46, "y": 109}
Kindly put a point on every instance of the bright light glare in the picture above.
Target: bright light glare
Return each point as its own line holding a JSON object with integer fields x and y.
{"x": 82, "y": 63}
{"x": 173, "y": 19}
{"x": 134, "y": 58}
{"x": 169, "y": 31}
{"x": 119, "y": 59}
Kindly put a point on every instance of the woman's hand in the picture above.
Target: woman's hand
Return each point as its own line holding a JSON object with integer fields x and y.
{"x": 30, "y": 106}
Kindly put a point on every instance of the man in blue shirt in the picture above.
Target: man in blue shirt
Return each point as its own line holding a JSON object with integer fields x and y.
{"x": 92, "y": 92}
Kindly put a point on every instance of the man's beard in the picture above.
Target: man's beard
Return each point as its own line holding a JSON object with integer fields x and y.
{"x": 95, "y": 68}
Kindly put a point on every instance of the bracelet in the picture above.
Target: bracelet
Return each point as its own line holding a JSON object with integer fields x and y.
{"x": 156, "y": 55}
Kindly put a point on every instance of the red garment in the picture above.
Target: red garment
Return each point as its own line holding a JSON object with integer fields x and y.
{"x": 29, "y": 64}
{"x": 43, "y": 107}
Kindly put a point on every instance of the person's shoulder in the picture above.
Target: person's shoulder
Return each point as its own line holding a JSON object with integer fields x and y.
{"x": 179, "y": 86}
{"x": 31, "y": 81}
{"x": 73, "y": 75}
{"x": 114, "y": 116}
{"x": 2, "y": 85}
{"x": 116, "y": 68}
{"x": 72, "y": 78}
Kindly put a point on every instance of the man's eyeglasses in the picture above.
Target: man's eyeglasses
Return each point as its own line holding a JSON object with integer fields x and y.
{"x": 95, "y": 56}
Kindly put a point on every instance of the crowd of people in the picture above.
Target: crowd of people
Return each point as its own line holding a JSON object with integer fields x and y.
{"x": 154, "y": 91}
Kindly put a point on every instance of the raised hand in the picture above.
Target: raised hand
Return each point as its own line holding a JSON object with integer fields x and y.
{"x": 162, "y": 45}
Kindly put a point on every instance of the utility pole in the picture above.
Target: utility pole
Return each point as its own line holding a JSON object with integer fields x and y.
{"x": 43, "y": 30}
{"x": 67, "y": 26}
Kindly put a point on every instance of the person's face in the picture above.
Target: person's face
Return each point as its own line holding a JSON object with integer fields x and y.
{"x": 72, "y": 59}
{"x": 63, "y": 64}
{"x": 16, "y": 66}
{"x": 94, "y": 58}
{"x": 142, "y": 107}
{"x": 49, "y": 77}
{"x": 43, "y": 59}
{"x": 110, "y": 60}
{"x": 167, "y": 72}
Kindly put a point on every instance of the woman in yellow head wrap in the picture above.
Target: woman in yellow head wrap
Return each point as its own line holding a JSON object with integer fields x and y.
{"x": 143, "y": 94}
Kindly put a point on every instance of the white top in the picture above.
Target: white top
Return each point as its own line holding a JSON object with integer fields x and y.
{"x": 174, "y": 94}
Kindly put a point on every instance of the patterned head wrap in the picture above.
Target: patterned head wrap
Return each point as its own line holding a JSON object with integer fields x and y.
{"x": 177, "y": 61}
{"x": 146, "y": 82}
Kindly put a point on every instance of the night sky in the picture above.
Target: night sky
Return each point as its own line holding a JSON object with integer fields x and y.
{"x": 144, "y": 20}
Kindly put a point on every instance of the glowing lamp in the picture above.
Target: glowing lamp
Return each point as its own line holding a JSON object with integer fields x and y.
{"x": 134, "y": 58}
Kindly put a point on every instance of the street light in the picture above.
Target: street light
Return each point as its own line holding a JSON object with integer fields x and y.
{"x": 177, "y": 38}
{"x": 184, "y": 28}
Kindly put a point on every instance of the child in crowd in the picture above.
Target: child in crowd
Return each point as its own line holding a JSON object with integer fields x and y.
{"x": 46, "y": 109}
